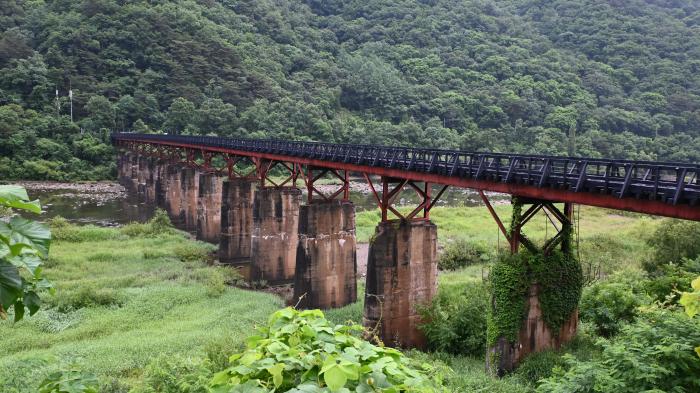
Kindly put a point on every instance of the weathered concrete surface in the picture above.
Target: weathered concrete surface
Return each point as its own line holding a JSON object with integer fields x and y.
{"x": 142, "y": 175}
{"x": 188, "y": 205}
{"x": 209, "y": 208}
{"x": 160, "y": 185}
{"x": 534, "y": 336}
{"x": 401, "y": 275}
{"x": 173, "y": 193}
{"x": 275, "y": 234}
{"x": 326, "y": 260}
{"x": 235, "y": 241}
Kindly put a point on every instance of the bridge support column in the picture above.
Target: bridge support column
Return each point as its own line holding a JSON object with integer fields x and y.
{"x": 209, "y": 208}
{"x": 142, "y": 175}
{"x": 124, "y": 168}
{"x": 275, "y": 234}
{"x": 237, "y": 224}
{"x": 189, "y": 194}
{"x": 173, "y": 193}
{"x": 326, "y": 261}
{"x": 401, "y": 275}
{"x": 160, "y": 185}
{"x": 549, "y": 272}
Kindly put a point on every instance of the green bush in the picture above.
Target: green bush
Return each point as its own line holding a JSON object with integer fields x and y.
{"x": 71, "y": 380}
{"x": 461, "y": 253}
{"x": 456, "y": 319}
{"x": 158, "y": 225}
{"x": 608, "y": 305}
{"x": 539, "y": 365}
{"x": 194, "y": 251}
{"x": 176, "y": 374}
{"x": 674, "y": 242}
{"x": 666, "y": 283}
{"x": 299, "y": 351}
{"x": 654, "y": 353}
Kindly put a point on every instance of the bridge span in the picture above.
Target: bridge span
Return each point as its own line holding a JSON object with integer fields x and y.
{"x": 243, "y": 195}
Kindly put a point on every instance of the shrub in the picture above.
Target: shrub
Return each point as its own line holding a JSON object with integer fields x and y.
{"x": 158, "y": 225}
{"x": 463, "y": 253}
{"x": 539, "y": 365}
{"x": 72, "y": 380}
{"x": 666, "y": 283}
{"x": 194, "y": 251}
{"x": 176, "y": 374}
{"x": 654, "y": 353}
{"x": 673, "y": 242}
{"x": 299, "y": 351}
{"x": 456, "y": 319}
{"x": 608, "y": 305}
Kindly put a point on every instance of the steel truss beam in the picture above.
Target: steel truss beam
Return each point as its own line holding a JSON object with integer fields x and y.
{"x": 515, "y": 235}
{"x": 392, "y": 188}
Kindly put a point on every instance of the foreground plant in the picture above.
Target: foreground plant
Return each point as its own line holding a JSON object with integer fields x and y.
{"x": 691, "y": 302}
{"x": 23, "y": 246}
{"x": 300, "y": 352}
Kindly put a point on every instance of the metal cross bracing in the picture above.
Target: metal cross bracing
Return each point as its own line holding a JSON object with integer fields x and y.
{"x": 658, "y": 188}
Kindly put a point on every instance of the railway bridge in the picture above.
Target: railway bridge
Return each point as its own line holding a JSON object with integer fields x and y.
{"x": 245, "y": 195}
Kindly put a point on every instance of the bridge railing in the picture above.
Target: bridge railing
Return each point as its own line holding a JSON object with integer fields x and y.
{"x": 669, "y": 182}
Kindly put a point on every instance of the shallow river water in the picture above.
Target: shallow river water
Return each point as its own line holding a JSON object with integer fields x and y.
{"x": 107, "y": 203}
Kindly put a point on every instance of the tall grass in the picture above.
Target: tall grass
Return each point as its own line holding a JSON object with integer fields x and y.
{"x": 124, "y": 297}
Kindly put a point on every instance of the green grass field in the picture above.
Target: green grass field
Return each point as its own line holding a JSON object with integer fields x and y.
{"x": 127, "y": 296}
{"x": 121, "y": 301}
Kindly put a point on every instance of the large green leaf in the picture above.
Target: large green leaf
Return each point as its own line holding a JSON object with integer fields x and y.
{"x": 16, "y": 197}
{"x": 10, "y": 284}
{"x": 26, "y": 233}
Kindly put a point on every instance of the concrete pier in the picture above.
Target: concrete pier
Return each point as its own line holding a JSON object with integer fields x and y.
{"x": 275, "y": 234}
{"x": 326, "y": 260}
{"x": 189, "y": 184}
{"x": 209, "y": 208}
{"x": 173, "y": 193}
{"x": 142, "y": 175}
{"x": 534, "y": 336}
{"x": 401, "y": 275}
{"x": 236, "y": 237}
{"x": 160, "y": 183}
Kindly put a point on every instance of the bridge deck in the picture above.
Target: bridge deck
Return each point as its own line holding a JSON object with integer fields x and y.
{"x": 658, "y": 188}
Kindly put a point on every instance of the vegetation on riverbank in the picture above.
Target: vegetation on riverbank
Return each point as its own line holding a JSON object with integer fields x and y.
{"x": 141, "y": 308}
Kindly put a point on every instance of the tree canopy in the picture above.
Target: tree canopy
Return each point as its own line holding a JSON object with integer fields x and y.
{"x": 612, "y": 79}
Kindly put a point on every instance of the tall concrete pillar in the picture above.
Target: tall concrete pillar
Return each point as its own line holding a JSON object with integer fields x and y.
{"x": 209, "y": 208}
{"x": 141, "y": 176}
{"x": 401, "y": 275}
{"x": 124, "y": 167}
{"x": 534, "y": 336}
{"x": 151, "y": 177}
{"x": 237, "y": 224}
{"x": 173, "y": 193}
{"x": 161, "y": 183}
{"x": 189, "y": 194}
{"x": 326, "y": 261}
{"x": 275, "y": 234}
{"x": 132, "y": 173}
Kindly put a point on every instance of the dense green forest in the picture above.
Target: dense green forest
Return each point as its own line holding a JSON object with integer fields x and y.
{"x": 595, "y": 78}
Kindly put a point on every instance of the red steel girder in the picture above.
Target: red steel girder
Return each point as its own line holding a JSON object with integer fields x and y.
{"x": 652, "y": 207}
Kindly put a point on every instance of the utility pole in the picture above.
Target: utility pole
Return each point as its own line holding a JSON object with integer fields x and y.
{"x": 58, "y": 105}
{"x": 70, "y": 96}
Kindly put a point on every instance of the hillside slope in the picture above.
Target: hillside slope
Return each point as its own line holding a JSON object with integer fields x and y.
{"x": 500, "y": 75}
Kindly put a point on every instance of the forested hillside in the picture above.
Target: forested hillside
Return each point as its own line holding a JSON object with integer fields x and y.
{"x": 595, "y": 78}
